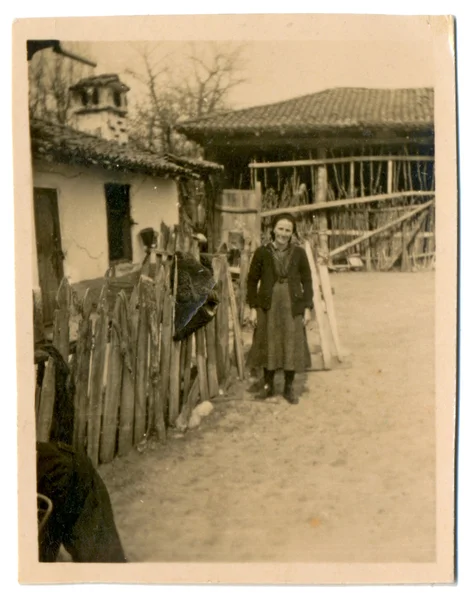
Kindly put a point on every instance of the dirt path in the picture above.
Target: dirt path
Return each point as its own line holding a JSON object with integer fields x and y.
{"x": 347, "y": 475}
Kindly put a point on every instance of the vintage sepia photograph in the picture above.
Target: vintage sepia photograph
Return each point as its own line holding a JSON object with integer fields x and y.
{"x": 239, "y": 258}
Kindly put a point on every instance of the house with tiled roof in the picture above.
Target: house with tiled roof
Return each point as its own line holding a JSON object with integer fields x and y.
{"x": 339, "y": 120}
{"x": 94, "y": 190}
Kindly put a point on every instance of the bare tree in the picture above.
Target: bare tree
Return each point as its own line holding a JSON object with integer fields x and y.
{"x": 214, "y": 71}
{"x": 50, "y": 77}
{"x": 180, "y": 88}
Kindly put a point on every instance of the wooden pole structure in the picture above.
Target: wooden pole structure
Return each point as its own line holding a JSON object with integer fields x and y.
{"x": 321, "y": 198}
{"x": 390, "y": 176}
{"x": 320, "y": 206}
{"x": 393, "y": 223}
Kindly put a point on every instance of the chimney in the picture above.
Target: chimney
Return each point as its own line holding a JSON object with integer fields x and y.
{"x": 99, "y": 106}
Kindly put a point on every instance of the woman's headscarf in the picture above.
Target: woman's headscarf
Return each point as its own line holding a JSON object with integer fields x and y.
{"x": 283, "y": 216}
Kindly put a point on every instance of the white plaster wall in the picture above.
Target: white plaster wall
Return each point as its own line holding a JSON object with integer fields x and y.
{"x": 82, "y": 213}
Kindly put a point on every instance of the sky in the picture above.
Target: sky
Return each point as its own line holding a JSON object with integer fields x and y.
{"x": 279, "y": 70}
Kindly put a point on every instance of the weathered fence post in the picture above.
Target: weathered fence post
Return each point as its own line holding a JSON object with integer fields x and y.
{"x": 127, "y": 315}
{"x": 220, "y": 266}
{"x": 155, "y": 317}
{"x": 97, "y": 372}
{"x": 142, "y": 347}
{"x": 112, "y": 395}
{"x": 82, "y": 372}
{"x": 321, "y": 196}
{"x": 175, "y": 360}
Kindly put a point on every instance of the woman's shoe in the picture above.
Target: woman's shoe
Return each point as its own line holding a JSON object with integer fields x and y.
{"x": 289, "y": 395}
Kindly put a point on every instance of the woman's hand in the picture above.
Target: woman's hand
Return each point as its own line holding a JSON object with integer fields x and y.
{"x": 253, "y": 318}
{"x": 307, "y": 317}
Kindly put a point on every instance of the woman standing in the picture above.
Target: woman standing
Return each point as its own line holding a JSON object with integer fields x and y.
{"x": 280, "y": 296}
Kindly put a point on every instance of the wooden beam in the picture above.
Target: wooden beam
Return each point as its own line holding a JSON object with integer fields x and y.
{"x": 393, "y": 223}
{"x": 406, "y": 241}
{"x": 235, "y": 209}
{"x": 349, "y": 202}
{"x": 330, "y": 161}
{"x": 319, "y": 311}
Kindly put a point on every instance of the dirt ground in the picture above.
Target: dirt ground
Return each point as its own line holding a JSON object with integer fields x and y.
{"x": 347, "y": 475}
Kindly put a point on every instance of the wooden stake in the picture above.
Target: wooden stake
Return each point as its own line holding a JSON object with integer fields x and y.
{"x": 187, "y": 367}
{"x": 112, "y": 396}
{"x": 141, "y": 370}
{"x": 389, "y": 176}
{"x": 188, "y": 407}
{"x": 128, "y": 314}
{"x": 96, "y": 377}
{"x": 222, "y": 319}
{"x": 165, "y": 347}
{"x": 175, "y": 361}
{"x": 330, "y": 307}
{"x": 319, "y": 309}
{"x": 237, "y": 335}
{"x": 212, "y": 381}
{"x": 82, "y": 373}
{"x": 201, "y": 364}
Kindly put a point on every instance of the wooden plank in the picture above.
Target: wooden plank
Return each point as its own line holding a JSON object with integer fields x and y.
{"x": 61, "y": 333}
{"x": 141, "y": 366}
{"x": 222, "y": 319}
{"x": 38, "y": 317}
{"x": 237, "y": 334}
{"x": 175, "y": 360}
{"x": 334, "y": 161}
{"x": 235, "y": 209}
{"x": 244, "y": 268}
{"x": 46, "y": 403}
{"x": 389, "y": 225}
{"x": 112, "y": 397}
{"x": 128, "y": 315}
{"x": 202, "y": 364}
{"x": 155, "y": 317}
{"x": 175, "y": 383}
{"x": 165, "y": 346}
{"x": 211, "y": 349}
{"x": 319, "y": 309}
{"x": 348, "y": 202}
{"x": 390, "y": 176}
{"x": 321, "y": 191}
{"x": 96, "y": 377}
{"x": 330, "y": 308}
{"x": 188, "y": 353}
{"x": 188, "y": 407}
{"x": 82, "y": 373}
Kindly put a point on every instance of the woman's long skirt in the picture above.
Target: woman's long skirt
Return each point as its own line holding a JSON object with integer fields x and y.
{"x": 279, "y": 340}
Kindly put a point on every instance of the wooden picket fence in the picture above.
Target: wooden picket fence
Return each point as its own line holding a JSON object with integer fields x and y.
{"x": 131, "y": 378}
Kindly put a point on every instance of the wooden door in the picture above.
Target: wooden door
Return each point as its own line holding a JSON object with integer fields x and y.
{"x": 49, "y": 248}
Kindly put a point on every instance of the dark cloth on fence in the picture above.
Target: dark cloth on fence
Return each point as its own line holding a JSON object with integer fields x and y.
{"x": 279, "y": 339}
{"x": 264, "y": 272}
{"x": 196, "y": 296}
{"x": 82, "y": 518}
{"x": 64, "y": 410}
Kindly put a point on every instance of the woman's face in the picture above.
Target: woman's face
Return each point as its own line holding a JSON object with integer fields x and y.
{"x": 283, "y": 232}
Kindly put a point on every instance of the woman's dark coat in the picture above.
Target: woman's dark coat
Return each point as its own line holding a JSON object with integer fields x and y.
{"x": 263, "y": 271}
